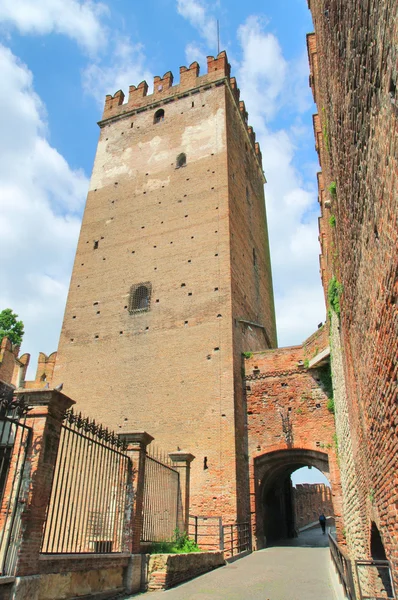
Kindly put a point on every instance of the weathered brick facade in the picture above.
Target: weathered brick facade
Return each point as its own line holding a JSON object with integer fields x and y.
{"x": 310, "y": 500}
{"x": 194, "y": 237}
{"x": 290, "y": 425}
{"x": 353, "y": 60}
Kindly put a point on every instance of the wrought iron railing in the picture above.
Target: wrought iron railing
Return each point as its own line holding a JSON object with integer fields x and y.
{"x": 15, "y": 438}
{"x": 162, "y": 504}
{"x": 375, "y": 580}
{"x": 89, "y": 491}
{"x": 206, "y": 531}
{"x": 343, "y": 566}
{"x": 236, "y": 538}
{"x": 211, "y": 534}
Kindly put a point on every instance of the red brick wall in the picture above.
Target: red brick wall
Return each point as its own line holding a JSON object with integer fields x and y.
{"x": 355, "y": 79}
{"x": 311, "y": 500}
{"x": 8, "y": 358}
{"x": 175, "y": 370}
{"x": 287, "y": 410}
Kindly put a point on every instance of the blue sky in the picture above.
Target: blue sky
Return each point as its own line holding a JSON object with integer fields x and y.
{"x": 58, "y": 59}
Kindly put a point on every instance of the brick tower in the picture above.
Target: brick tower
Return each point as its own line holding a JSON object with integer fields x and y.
{"x": 172, "y": 277}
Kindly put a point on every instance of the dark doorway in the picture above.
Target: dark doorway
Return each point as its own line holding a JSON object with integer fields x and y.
{"x": 379, "y": 554}
{"x": 376, "y": 544}
{"x": 279, "y": 511}
{"x": 275, "y": 514}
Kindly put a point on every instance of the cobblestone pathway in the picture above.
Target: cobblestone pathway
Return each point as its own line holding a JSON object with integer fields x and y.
{"x": 285, "y": 572}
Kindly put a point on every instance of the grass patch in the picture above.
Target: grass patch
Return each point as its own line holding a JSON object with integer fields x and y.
{"x": 247, "y": 354}
{"x": 332, "y": 189}
{"x": 330, "y": 405}
{"x": 180, "y": 545}
{"x": 332, "y": 221}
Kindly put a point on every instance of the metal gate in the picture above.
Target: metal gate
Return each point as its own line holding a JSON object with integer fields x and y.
{"x": 14, "y": 441}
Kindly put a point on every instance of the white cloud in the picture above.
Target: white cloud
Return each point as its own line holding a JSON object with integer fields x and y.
{"x": 194, "y": 52}
{"x": 116, "y": 62}
{"x": 41, "y": 199}
{"x": 125, "y": 66}
{"x": 264, "y": 80}
{"x": 263, "y": 67}
{"x": 77, "y": 19}
{"x": 197, "y": 14}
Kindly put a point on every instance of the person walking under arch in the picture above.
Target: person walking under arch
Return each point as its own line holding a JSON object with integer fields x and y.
{"x": 322, "y": 522}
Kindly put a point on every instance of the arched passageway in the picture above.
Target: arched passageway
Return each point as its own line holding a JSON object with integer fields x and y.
{"x": 275, "y": 515}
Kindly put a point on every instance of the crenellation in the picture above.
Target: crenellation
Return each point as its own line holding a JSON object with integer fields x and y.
{"x": 220, "y": 63}
{"x": 164, "y": 92}
{"x": 189, "y": 75}
{"x": 235, "y": 89}
{"x": 112, "y": 101}
{"x": 258, "y": 152}
{"x": 252, "y": 135}
{"x": 243, "y": 111}
{"x": 217, "y": 68}
{"x": 163, "y": 84}
{"x": 136, "y": 94}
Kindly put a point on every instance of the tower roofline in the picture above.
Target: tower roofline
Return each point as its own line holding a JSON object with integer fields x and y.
{"x": 164, "y": 92}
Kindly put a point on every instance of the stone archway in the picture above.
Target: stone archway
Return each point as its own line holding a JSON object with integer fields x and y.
{"x": 274, "y": 506}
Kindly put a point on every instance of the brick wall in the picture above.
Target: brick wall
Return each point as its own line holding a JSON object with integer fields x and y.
{"x": 174, "y": 370}
{"x": 311, "y": 500}
{"x": 354, "y": 76}
{"x": 13, "y": 367}
{"x": 289, "y": 425}
{"x": 167, "y": 570}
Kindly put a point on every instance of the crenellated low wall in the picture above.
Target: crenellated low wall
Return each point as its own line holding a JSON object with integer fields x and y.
{"x": 167, "y": 570}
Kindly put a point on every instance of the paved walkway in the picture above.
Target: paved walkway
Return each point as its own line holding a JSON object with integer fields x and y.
{"x": 285, "y": 572}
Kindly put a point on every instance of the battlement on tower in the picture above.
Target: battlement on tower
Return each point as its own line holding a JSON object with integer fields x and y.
{"x": 164, "y": 92}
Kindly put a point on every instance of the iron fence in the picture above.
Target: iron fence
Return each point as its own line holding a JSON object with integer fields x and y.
{"x": 15, "y": 437}
{"x": 236, "y": 538}
{"x": 207, "y": 532}
{"x": 162, "y": 504}
{"x": 343, "y": 567}
{"x": 375, "y": 580}
{"x": 89, "y": 491}
{"x": 211, "y": 534}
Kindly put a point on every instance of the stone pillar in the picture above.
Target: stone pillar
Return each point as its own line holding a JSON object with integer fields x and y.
{"x": 182, "y": 464}
{"x": 137, "y": 443}
{"x": 45, "y": 419}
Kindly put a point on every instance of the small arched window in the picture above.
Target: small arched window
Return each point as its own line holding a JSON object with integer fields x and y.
{"x": 159, "y": 116}
{"x": 140, "y": 297}
{"x": 181, "y": 160}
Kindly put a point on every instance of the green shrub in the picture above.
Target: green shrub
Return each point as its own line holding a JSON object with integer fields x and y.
{"x": 180, "y": 545}
{"x": 330, "y": 405}
{"x": 247, "y": 354}
{"x": 335, "y": 290}
{"x": 332, "y": 221}
{"x": 332, "y": 189}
